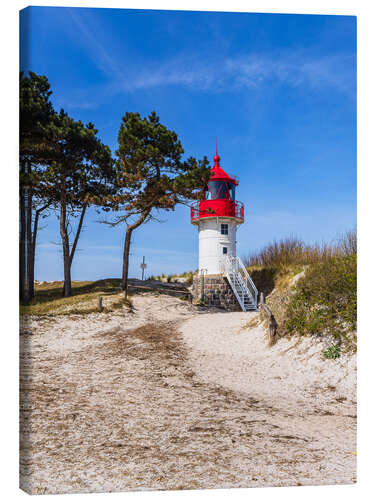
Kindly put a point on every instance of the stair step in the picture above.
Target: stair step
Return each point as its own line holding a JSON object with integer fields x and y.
{"x": 239, "y": 279}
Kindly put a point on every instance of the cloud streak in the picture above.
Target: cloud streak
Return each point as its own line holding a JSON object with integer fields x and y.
{"x": 252, "y": 72}
{"x": 97, "y": 51}
{"x": 197, "y": 72}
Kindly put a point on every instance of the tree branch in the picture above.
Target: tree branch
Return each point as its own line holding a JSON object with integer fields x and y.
{"x": 78, "y": 232}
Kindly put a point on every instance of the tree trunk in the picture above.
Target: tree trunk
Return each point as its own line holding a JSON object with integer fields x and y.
{"x": 125, "y": 266}
{"x": 29, "y": 242}
{"x": 78, "y": 232}
{"x": 67, "y": 290}
{"x": 22, "y": 242}
{"x": 35, "y": 232}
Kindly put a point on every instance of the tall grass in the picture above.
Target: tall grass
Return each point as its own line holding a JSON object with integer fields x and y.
{"x": 293, "y": 251}
{"x": 324, "y": 300}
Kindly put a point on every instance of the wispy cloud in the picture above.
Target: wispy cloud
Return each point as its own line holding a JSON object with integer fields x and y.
{"x": 247, "y": 72}
{"x": 74, "y": 102}
{"x": 98, "y": 52}
{"x": 204, "y": 73}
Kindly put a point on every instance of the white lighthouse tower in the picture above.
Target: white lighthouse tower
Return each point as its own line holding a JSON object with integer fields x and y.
{"x": 217, "y": 216}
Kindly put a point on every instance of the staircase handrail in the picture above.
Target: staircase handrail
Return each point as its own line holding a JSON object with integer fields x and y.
{"x": 242, "y": 275}
{"x": 228, "y": 266}
{"x": 248, "y": 279}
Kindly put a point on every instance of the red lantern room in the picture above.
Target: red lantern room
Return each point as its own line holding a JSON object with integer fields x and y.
{"x": 219, "y": 197}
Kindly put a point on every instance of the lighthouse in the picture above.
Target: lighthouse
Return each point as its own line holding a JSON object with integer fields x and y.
{"x": 222, "y": 274}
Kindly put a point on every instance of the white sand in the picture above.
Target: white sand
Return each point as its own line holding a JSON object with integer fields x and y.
{"x": 292, "y": 372}
{"x": 171, "y": 397}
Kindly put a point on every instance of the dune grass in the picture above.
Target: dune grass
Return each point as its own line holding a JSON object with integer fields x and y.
{"x": 292, "y": 251}
{"x": 324, "y": 300}
{"x": 171, "y": 278}
{"x": 48, "y": 298}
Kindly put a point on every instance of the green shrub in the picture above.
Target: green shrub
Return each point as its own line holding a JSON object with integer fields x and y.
{"x": 325, "y": 299}
{"x": 333, "y": 352}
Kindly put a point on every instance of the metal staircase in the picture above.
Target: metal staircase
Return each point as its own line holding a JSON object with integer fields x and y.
{"x": 241, "y": 283}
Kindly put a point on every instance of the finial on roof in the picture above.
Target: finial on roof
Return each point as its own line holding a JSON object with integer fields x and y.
{"x": 216, "y": 157}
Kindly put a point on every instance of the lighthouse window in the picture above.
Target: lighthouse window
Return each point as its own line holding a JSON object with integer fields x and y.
{"x": 225, "y": 250}
{"x": 218, "y": 190}
{"x": 224, "y": 229}
{"x": 223, "y": 191}
{"x": 232, "y": 191}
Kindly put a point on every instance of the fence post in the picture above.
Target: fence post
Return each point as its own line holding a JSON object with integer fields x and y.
{"x": 272, "y": 325}
{"x": 100, "y": 304}
{"x": 272, "y": 329}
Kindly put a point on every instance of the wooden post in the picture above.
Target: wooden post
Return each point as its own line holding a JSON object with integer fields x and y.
{"x": 272, "y": 329}
{"x": 272, "y": 325}
{"x": 100, "y": 304}
{"x": 261, "y": 298}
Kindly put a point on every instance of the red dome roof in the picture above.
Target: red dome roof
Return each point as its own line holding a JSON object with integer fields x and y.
{"x": 217, "y": 173}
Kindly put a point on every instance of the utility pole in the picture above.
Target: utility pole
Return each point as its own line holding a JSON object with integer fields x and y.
{"x": 143, "y": 267}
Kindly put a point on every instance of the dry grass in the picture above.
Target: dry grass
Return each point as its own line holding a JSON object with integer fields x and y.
{"x": 293, "y": 251}
{"x": 48, "y": 298}
{"x": 324, "y": 302}
{"x": 281, "y": 295}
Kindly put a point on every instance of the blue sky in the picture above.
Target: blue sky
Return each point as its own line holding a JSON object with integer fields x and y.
{"x": 278, "y": 90}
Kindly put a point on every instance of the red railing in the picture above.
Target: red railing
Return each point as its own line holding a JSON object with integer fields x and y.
{"x": 235, "y": 178}
{"x": 216, "y": 208}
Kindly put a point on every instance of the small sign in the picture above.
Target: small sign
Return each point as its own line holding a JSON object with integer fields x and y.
{"x": 143, "y": 267}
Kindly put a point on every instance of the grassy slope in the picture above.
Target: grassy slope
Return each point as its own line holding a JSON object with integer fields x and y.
{"x": 322, "y": 300}
{"x": 314, "y": 299}
{"x": 48, "y": 298}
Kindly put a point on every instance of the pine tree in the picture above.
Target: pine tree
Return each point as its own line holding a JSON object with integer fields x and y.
{"x": 83, "y": 173}
{"x": 151, "y": 175}
{"x": 36, "y": 112}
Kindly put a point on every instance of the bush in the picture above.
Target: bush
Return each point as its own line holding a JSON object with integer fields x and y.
{"x": 333, "y": 352}
{"x": 325, "y": 299}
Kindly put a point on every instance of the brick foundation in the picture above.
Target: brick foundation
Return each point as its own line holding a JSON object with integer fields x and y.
{"x": 215, "y": 290}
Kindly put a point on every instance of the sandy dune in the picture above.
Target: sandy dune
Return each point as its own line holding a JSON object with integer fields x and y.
{"x": 171, "y": 396}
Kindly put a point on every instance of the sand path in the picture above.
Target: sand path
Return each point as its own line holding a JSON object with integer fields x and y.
{"x": 145, "y": 401}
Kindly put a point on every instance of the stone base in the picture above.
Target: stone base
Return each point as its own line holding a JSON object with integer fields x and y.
{"x": 214, "y": 290}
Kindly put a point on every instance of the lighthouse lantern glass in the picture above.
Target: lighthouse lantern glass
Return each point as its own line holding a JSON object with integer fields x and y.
{"x": 220, "y": 190}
